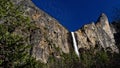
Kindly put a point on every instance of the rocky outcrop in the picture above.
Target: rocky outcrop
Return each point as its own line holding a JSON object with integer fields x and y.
{"x": 50, "y": 38}
{"x": 99, "y": 34}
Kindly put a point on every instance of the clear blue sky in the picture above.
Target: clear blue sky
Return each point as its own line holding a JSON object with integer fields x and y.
{"x": 73, "y": 14}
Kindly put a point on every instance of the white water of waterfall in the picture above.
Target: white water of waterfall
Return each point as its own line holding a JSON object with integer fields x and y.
{"x": 75, "y": 43}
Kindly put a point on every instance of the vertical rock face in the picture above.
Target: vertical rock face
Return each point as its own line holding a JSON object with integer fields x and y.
{"x": 49, "y": 34}
{"x": 97, "y": 34}
{"x": 50, "y": 38}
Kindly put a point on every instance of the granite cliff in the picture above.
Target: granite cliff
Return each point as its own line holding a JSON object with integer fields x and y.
{"x": 30, "y": 38}
{"x": 51, "y": 38}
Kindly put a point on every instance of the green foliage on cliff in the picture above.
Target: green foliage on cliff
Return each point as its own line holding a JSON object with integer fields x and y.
{"x": 15, "y": 30}
{"x": 70, "y": 60}
{"x": 94, "y": 58}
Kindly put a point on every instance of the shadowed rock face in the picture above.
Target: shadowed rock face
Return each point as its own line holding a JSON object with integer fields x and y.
{"x": 50, "y": 38}
{"x": 116, "y": 31}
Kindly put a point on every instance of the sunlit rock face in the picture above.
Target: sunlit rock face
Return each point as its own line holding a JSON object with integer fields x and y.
{"x": 49, "y": 34}
{"x": 99, "y": 34}
{"x": 50, "y": 38}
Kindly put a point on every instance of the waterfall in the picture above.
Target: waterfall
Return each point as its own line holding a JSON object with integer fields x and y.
{"x": 75, "y": 43}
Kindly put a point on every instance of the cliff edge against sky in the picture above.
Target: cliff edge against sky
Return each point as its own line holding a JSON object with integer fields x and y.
{"x": 51, "y": 34}
{"x": 49, "y": 38}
